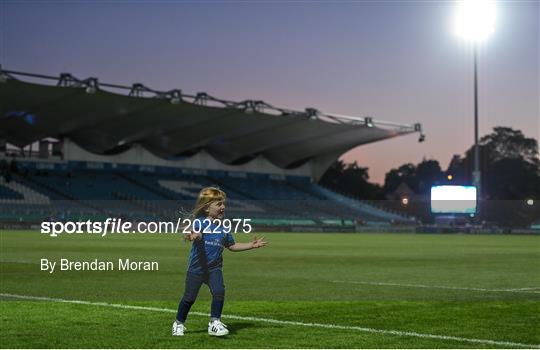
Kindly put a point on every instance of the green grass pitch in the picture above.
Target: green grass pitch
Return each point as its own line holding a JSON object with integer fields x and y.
{"x": 286, "y": 295}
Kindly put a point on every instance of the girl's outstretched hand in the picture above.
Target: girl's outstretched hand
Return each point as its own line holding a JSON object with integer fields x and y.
{"x": 258, "y": 242}
{"x": 191, "y": 236}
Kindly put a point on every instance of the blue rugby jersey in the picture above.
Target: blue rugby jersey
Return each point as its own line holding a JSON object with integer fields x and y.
{"x": 206, "y": 253}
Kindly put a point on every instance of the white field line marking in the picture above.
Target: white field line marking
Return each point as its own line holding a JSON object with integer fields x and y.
{"x": 517, "y": 289}
{"x": 281, "y": 322}
{"x": 437, "y": 287}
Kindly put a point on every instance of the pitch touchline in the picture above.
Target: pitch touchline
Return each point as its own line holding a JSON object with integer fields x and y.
{"x": 291, "y": 323}
{"x": 530, "y": 288}
{"x": 518, "y": 290}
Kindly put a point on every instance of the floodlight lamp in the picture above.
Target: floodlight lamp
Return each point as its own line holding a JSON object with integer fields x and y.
{"x": 369, "y": 122}
{"x": 91, "y": 85}
{"x": 475, "y": 19}
{"x": 175, "y": 96}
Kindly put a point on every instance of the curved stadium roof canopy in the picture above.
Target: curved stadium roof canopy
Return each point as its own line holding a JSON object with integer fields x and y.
{"x": 172, "y": 123}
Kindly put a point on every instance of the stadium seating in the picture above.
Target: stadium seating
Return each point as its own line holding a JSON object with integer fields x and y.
{"x": 34, "y": 195}
{"x": 8, "y": 194}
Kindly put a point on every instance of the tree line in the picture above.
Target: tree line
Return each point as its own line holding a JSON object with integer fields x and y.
{"x": 509, "y": 163}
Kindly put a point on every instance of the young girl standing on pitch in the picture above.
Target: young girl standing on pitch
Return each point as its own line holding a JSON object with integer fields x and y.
{"x": 205, "y": 259}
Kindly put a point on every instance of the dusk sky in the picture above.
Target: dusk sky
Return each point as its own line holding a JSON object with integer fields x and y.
{"x": 394, "y": 61}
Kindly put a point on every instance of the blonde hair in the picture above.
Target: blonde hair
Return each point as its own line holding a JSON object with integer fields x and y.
{"x": 207, "y": 196}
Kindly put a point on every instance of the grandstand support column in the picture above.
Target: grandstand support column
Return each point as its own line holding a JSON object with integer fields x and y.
{"x": 320, "y": 164}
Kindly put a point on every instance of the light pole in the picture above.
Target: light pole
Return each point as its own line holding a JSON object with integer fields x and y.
{"x": 475, "y": 22}
{"x": 477, "y": 175}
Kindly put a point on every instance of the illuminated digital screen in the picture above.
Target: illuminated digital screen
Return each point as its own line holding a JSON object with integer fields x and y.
{"x": 453, "y": 199}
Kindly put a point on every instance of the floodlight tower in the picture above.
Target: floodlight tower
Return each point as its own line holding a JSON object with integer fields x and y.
{"x": 475, "y": 22}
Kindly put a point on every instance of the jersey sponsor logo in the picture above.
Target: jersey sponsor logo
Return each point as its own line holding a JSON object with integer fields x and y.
{"x": 215, "y": 242}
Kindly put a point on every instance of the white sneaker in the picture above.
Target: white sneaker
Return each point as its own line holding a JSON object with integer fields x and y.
{"x": 178, "y": 329}
{"x": 217, "y": 328}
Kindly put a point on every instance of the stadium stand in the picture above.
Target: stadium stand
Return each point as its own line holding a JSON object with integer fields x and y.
{"x": 100, "y": 154}
{"x": 145, "y": 195}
